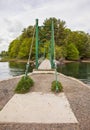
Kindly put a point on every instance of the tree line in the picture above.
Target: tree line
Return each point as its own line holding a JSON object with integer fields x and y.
{"x": 71, "y": 45}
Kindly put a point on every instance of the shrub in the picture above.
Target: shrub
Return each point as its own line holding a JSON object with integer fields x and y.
{"x": 24, "y": 85}
{"x": 57, "y": 88}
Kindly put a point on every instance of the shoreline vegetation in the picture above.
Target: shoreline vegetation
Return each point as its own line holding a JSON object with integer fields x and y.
{"x": 25, "y": 60}
{"x": 15, "y": 60}
{"x": 70, "y": 46}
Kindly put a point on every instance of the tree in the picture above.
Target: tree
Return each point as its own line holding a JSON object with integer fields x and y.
{"x": 4, "y": 54}
{"x": 14, "y": 48}
{"x": 59, "y": 30}
{"x": 72, "y": 52}
{"x": 60, "y": 33}
{"x": 80, "y": 40}
{"x": 28, "y": 32}
{"x": 69, "y": 44}
{"x": 25, "y": 49}
{"x": 87, "y": 52}
{"x": 60, "y": 52}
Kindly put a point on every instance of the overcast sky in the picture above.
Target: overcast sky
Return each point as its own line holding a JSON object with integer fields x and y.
{"x": 18, "y": 14}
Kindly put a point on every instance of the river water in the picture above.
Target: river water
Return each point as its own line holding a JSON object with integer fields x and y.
{"x": 11, "y": 69}
{"x": 78, "y": 70}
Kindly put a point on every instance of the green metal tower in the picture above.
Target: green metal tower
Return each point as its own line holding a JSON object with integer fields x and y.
{"x": 37, "y": 43}
{"x": 52, "y": 46}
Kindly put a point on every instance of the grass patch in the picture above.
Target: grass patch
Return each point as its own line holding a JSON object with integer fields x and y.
{"x": 56, "y": 86}
{"x": 24, "y": 85}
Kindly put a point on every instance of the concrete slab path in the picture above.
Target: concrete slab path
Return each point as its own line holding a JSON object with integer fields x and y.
{"x": 45, "y": 65}
{"x": 36, "y": 107}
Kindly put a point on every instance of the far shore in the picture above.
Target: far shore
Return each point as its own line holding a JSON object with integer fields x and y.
{"x": 25, "y": 60}
{"x": 16, "y": 60}
{"x": 68, "y": 61}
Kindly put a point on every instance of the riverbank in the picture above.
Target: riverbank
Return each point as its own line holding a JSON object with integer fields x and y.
{"x": 15, "y": 60}
{"x": 25, "y": 61}
{"x": 76, "y": 92}
{"x": 69, "y": 61}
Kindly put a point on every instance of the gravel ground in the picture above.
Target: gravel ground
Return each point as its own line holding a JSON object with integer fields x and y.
{"x": 7, "y": 90}
{"x": 77, "y": 93}
{"x": 79, "y": 98}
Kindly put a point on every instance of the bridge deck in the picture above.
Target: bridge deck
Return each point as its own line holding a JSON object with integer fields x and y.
{"x": 45, "y": 65}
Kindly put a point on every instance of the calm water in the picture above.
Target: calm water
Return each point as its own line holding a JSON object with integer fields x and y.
{"x": 11, "y": 69}
{"x": 78, "y": 70}
{"x": 75, "y": 69}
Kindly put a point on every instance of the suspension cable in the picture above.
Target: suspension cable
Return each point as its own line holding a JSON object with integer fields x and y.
{"x": 55, "y": 65}
{"x": 28, "y": 62}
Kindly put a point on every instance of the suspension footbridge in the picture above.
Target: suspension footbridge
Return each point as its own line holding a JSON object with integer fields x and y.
{"x": 40, "y": 109}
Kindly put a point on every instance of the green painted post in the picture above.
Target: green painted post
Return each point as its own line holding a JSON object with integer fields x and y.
{"x": 52, "y": 45}
{"x": 56, "y": 77}
{"x": 53, "y": 65}
{"x": 37, "y": 43}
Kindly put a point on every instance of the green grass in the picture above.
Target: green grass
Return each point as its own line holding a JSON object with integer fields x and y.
{"x": 56, "y": 86}
{"x": 24, "y": 85}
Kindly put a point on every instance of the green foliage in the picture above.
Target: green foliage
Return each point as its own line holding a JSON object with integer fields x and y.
{"x": 4, "y": 54}
{"x": 59, "y": 28}
{"x": 19, "y": 48}
{"x": 45, "y": 49}
{"x": 59, "y": 85}
{"x": 69, "y": 44}
{"x": 27, "y": 32}
{"x": 72, "y": 52}
{"x": 60, "y": 52}
{"x": 14, "y": 48}
{"x": 87, "y": 48}
{"x": 24, "y": 48}
{"x": 81, "y": 40}
{"x": 24, "y": 85}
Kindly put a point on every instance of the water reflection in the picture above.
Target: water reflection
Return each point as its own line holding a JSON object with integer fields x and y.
{"x": 76, "y": 69}
{"x": 69, "y": 69}
{"x": 4, "y": 71}
{"x": 17, "y": 68}
{"x": 10, "y": 69}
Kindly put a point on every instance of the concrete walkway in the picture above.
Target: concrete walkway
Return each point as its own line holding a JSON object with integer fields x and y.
{"x": 45, "y": 65}
{"x": 36, "y": 107}
{"x": 77, "y": 93}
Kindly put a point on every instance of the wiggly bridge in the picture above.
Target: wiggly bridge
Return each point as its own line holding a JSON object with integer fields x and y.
{"x": 40, "y": 109}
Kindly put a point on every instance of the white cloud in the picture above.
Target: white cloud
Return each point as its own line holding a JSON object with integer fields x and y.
{"x": 17, "y": 14}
